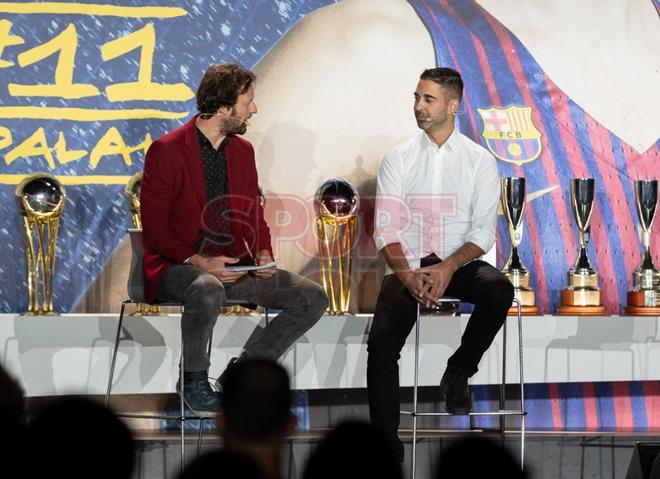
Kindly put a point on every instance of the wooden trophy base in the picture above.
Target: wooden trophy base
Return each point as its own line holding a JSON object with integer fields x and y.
{"x": 641, "y": 310}
{"x": 524, "y": 310}
{"x": 571, "y": 299}
{"x": 527, "y": 298}
{"x": 636, "y": 305}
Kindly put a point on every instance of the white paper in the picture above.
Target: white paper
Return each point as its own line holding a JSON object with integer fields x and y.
{"x": 251, "y": 267}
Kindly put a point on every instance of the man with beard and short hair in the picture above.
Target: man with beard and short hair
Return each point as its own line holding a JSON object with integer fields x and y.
{"x": 201, "y": 213}
{"x": 448, "y": 188}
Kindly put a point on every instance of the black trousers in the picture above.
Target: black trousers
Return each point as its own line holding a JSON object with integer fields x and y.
{"x": 478, "y": 283}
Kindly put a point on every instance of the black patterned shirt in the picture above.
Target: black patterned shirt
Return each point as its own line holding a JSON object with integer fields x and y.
{"x": 217, "y": 224}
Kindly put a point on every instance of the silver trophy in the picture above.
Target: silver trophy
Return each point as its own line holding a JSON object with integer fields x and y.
{"x": 644, "y": 299}
{"x": 583, "y": 296}
{"x": 513, "y": 203}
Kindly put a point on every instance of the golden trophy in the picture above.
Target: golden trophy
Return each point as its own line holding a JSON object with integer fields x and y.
{"x": 132, "y": 195}
{"x": 583, "y": 296}
{"x": 336, "y": 203}
{"x": 41, "y": 200}
{"x": 644, "y": 299}
{"x": 513, "y": 204}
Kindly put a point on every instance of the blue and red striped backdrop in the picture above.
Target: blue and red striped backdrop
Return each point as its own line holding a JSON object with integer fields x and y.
{"x": 500, "y": 73}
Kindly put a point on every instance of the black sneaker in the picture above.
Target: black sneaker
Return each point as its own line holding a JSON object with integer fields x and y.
{"x": 454, "y": 388}
{"x": 198, "y": 394}
{"x": 219, "y": 383}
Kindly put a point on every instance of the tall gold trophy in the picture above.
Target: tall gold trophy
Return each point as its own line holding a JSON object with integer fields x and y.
{"x": 41, "y": 201}
{"x": 583, "y": 296}
{"x": 644, "y": 299}
{"x": 337, "y": 203}
{"x": 513, "y": 203}
{"x": 132, "y": 195}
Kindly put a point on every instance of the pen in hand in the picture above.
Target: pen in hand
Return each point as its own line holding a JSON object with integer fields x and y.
{"x": 247, "y": 247}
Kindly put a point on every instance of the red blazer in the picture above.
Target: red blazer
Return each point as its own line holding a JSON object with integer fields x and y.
{"x": 173, "y": 200}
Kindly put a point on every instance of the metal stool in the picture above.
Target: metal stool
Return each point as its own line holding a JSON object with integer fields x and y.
{"x": 136, "y": 295}
{"x": 502, "y": 413}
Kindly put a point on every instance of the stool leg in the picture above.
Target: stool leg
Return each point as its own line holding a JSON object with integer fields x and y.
{"x": 182, "y": 419}
{"x": 522, "y": 386}
{"x": 114, "y": 352}
{"x": 200, "y": 433}
{"x": 503, "y": 385}
{"x": 414, "y": 411}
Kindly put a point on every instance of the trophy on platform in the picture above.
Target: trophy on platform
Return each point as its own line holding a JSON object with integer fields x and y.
{"x": 513, "y": 203}
{"x": 644, "y": 299}
{"x": 583, "y": 296}
{"x": 337, "y": 203}
{"x": 132, "y": 195}
{"x": 41, "y": 201}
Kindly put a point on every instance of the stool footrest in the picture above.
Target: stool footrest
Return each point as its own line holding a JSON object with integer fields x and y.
{"x": 503, "y": 412}
{"x": 152, "y": 416}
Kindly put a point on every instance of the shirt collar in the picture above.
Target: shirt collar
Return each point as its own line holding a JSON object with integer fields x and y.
{"x": 451, "y": 143}
{"x": 206, "y": 143}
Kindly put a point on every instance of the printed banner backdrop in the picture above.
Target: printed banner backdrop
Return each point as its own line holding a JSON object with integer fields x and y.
{"x": 84, "y": 89}
{"x": 511, "y": 107}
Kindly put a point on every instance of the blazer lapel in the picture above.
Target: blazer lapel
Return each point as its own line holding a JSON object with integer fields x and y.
{"x": 194, "y": 155}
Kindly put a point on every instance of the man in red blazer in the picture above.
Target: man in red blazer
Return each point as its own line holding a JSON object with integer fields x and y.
{"x": 201, "y": 212}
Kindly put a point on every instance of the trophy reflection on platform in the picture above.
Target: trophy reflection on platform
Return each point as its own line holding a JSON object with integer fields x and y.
{"x": 336, "y": 203}
{"x": 583, "y": 296}
{"x": 41, "y": 201}
{"x": 132, "y": 195}
{"x": 513, "y": 203}
{"x": 644, "y": 299}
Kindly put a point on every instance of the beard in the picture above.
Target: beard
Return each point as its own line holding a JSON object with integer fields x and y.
{"x": 424, "y": 124}
{"x": 234, "y": 126}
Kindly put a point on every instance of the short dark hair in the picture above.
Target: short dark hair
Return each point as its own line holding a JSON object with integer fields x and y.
{"x": 447, "y": 78}
{"x": 221, "y": 85}
{"x": 256, "y": 400}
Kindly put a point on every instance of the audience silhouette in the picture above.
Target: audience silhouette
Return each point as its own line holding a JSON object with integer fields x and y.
{"x": 221, "y": 465}
{"x": 477, "y": 457}
{"x": 12, "y": 418}
{"x": 256, "y": 417}
{"x": 354, "y": 450}
{"x": 78, "y": 438}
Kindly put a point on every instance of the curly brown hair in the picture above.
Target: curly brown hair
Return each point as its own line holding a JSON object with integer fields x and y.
{"x": 221, "y": 85}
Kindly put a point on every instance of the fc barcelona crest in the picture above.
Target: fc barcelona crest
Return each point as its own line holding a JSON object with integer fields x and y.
{"x": 510, "y": 134}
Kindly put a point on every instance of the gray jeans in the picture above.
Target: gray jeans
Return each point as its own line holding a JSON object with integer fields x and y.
{"x": 302, "y": 302}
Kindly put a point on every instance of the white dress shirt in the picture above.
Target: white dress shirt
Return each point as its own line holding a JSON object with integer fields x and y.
{"x": 435, "y": 199}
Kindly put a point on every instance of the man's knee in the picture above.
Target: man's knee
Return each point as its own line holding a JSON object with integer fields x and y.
{"x": 499, "y": 293}
{"x": 206, "y": 291}
{"x": 315, "y": 298}
{"x": 383, "y": 342}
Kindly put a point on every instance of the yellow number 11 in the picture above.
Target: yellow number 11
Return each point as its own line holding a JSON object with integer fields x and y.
{"x": 143, "y": 88}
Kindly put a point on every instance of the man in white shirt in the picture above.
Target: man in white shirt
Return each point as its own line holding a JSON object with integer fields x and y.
{"x": 436, "y": 213}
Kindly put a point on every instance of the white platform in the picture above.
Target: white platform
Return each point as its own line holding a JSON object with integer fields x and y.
{"x": 70, "y": 354}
